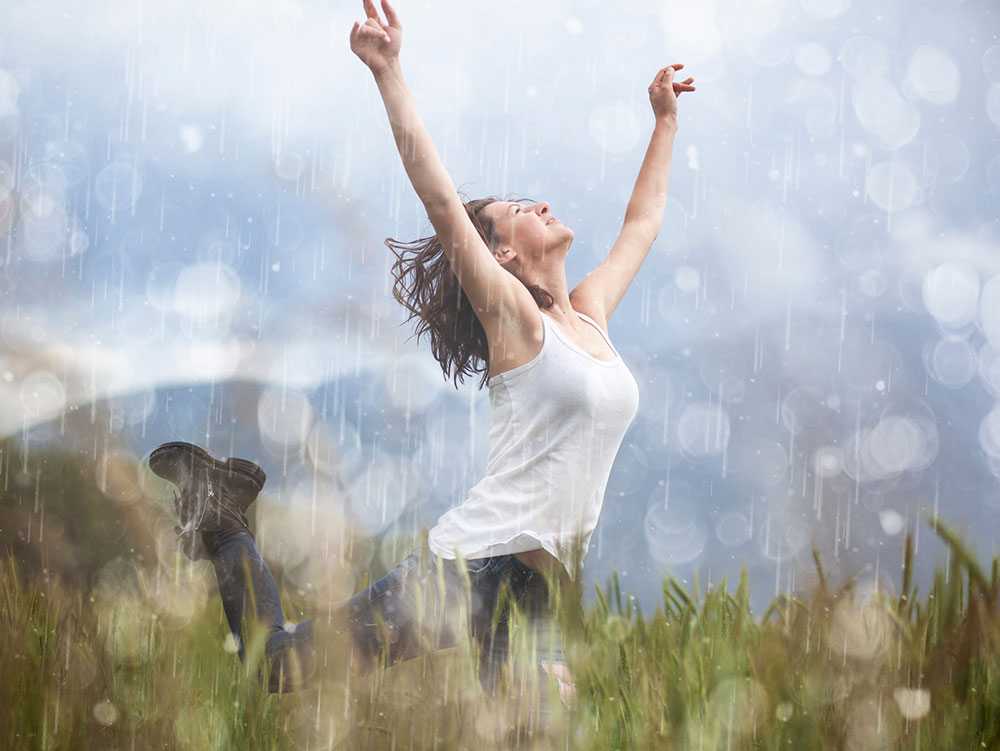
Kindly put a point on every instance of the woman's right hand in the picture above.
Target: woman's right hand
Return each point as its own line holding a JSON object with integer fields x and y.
{"x": 374, "y": 41}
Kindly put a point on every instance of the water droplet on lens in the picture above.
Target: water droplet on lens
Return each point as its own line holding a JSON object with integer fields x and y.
{"x": 105, "y": 713}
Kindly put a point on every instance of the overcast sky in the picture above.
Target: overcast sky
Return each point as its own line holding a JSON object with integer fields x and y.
{"x": 193, "y": 193}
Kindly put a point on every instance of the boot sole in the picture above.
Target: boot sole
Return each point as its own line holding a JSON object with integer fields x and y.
{"x": 165, "y": 460}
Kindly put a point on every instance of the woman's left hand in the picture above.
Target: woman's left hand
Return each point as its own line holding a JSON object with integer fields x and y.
{"x": 663, "y": 92}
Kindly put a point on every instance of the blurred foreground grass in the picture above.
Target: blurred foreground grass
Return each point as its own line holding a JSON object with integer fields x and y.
{"x": 108, "y": 639}
{"x": 832, "y": 670}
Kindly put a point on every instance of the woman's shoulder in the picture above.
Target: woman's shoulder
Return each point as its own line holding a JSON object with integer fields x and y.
{"x": 589, "y": 310}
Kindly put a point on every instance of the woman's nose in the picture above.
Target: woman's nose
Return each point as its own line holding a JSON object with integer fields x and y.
{"x": 542, "y": 208}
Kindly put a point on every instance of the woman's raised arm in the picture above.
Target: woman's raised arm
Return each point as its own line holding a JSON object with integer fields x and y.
{"x": 489, "y": 287}
{"x": 377, "y": 43}
{"x": 599, "y": 293}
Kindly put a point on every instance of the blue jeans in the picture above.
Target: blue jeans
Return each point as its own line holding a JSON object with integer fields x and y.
{"x": 416, "y": 608}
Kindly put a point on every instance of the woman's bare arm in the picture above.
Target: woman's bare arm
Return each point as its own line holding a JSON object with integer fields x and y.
{"x": 489, "y": 287}
{"x": 601, "y": 291}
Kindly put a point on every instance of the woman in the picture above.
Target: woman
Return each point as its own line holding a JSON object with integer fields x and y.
{"x": 490, "y": 290}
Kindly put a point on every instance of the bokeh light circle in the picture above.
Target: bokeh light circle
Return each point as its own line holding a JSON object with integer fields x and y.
{"x": 934, "y": 75}
{"x": 952, "y": 362}
{"x": 891, "y": 186}
{"x": 43, "y": 395}
{"x": 674, "y": 531}
{"x": 953, "y": 157}
{"x": 118, "y": 185}
{"x": 989, "y": 368}
{"x": 614, "y": 128}
{"x": 733, "y": 529}
{"x": 812, "y": 58}
{"x": 283, "y": 417}
{"x": 703, "y": 430}
{"x": 993, "y": 104}
{"x": 989, "y": 433}
{"x": 951, "y": 293}
{"x": 864, "y": 57}
{"x": 780, "y": 537}
{"x": 206, "y": 290}
{"x": 825, "y": 9}
{"x": 890, "y": 118}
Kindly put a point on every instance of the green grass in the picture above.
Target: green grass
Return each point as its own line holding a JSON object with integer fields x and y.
{"x": 827, "y": 670}
{"x": 110, "y": 640}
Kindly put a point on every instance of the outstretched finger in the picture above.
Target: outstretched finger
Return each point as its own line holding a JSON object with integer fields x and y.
{"x": 370, "y": 10}
{"x": 390, "y": 14}
{"x": 368, "y": 30}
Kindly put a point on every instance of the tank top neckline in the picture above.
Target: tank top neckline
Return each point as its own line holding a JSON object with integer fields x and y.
{"x": 577, "y": 348}
{"x": 614, "y": 362}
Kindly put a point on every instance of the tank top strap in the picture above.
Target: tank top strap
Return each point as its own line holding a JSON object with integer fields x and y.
{"x": 600, "y": 331}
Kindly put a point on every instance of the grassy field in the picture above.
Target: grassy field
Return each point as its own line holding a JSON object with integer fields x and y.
{"x": 110, "y": 640}
{"x": 831, "y": 670}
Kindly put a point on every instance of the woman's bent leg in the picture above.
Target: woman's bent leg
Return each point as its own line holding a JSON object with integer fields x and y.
{"x": 249, "y": 593}
{"x": 414, "y": 609}
{"x": 427, "y": 603}
{"x": 497, "y": 585}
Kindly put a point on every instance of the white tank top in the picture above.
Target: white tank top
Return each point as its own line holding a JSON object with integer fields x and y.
{"x": 557, "y": 423}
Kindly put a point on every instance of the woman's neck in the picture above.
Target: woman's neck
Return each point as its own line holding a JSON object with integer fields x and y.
{"x": 553, "y": 281}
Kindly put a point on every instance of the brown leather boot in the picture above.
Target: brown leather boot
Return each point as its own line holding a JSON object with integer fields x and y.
{"x": 212, "y": 495}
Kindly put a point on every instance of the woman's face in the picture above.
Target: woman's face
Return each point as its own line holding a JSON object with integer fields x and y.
{"x": 530, "y": 230}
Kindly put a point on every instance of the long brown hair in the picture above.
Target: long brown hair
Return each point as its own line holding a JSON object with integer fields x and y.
{"x": 427, "y": 287}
